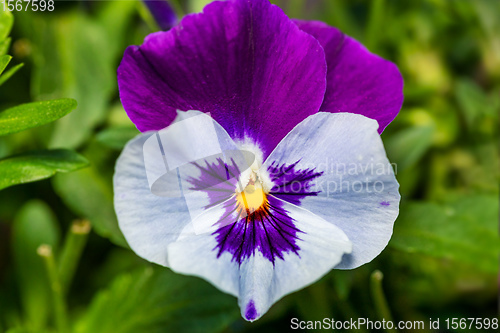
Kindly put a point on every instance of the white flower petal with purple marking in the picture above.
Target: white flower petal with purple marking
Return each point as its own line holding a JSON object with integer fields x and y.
{"x": 351, "y": 180}
{"x": 148, "y": 222}
{"x": 151, "y": 205}
{"x": 262, "y": 257}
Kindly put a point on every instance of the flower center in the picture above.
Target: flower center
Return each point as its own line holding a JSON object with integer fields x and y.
{"x": 251, "y": 198}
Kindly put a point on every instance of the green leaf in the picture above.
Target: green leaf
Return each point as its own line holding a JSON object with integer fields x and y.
{"x": 88, "y": 195}
{"x": 77, "y": 58}
{"x": 88, "y": 76}
{"x": 343, "y": 281}
{"x": 6, "y": 21}
{"x": 147, "y": 17}
{"x": 33, "y": 166}
{"x": 117, "y": 137}
{"x": 9, "y": 73}
{"x": 4, "y": 46}
{"x": 47, "y": 77}
{"x": 474, "y": 102}
{"x": 34, "y": 114}
{"x": 74, "y": 61}
{"x": 464, "y": 230}
{"x": 377, "y": 20}
{"x": 157, "y": 300}
{"x": 196, "y": 6}
{"x": 34, "y": 225}
{"x": 115, "y": 18}
{"x": 407, "y": 146}
{"x": 27, "y": 330}
{"x": 4, "y": 61}
{"x": 89, "y": 192}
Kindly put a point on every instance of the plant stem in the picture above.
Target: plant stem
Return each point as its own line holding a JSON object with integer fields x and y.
{"x": 60, "y": 312}
{"x": 147, "y": 17}
{"x": 178, "y": 9}
{"x": 72, "y": 251}
{"x": 379, "y": 299}
{"x": 375, "y": 22}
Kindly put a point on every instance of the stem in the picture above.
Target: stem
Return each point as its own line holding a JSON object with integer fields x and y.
{"x": 379, "y": 299}
{"x": 72, "y": 251}
{"x": 177, "y": 9}
{"x": 147, "y": 17}
{"x": 338, "y": 15}
{"x": 296, "y": 8}
{"x": 61, "y": 317}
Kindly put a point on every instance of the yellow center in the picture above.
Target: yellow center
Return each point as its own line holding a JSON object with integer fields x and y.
{"x": 252, "y": 198}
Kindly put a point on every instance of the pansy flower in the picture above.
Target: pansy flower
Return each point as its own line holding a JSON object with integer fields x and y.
{"x": 261, "y": 167}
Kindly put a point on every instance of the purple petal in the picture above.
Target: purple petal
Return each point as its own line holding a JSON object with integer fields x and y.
{"x": 257, "y": 281}
{"x": 357, "y": 81}
{"x": 244, "y": 61}
{"x": 162, "y": 12}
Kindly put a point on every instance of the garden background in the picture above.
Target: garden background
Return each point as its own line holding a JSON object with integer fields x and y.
{"x": 442, "y": 261}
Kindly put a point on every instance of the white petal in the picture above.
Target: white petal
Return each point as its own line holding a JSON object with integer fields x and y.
{"x": 257, "y": 283}
{"x": 195, "y": 253}
{"x": 148, "y": 222}
{"x": 358, "y": 189}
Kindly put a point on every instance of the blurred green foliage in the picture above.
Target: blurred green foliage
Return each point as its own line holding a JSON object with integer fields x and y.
{"x": 441, "y": 262}
{"x": 35, "y": 165}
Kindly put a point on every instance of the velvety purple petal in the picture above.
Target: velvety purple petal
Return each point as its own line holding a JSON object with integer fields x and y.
{"x": 163, "y": 13}
{"x": 244, "y": 61}
{"x": 357, "y": 81}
